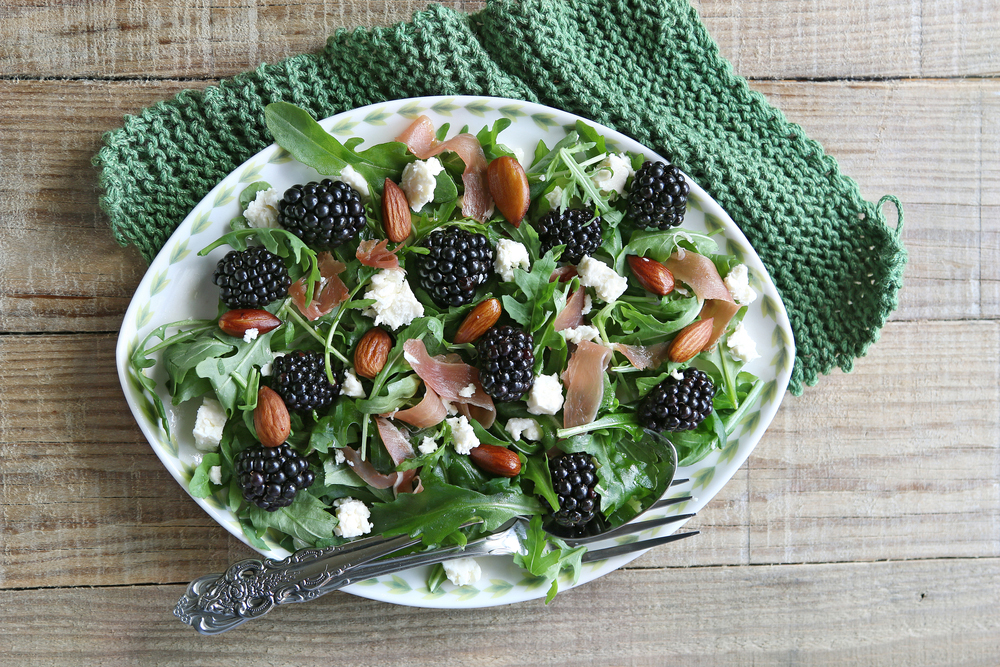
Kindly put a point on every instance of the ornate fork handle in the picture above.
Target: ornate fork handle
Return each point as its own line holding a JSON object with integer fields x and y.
{"x": 250, "y": 588}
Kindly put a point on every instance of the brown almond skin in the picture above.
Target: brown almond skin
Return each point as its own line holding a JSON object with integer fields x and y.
{"x": 395, "y": 212}
{"x": 652, "y": 275}
{"x": 238, "y": 322}
{"x": 508, "y": 186}
{"x": 496, "y": 460}
{"x": 270, "y": 418}
{"x": 478, "y": 321}
{"x": 372, "y": 352}
{"x": 690, "y": 341}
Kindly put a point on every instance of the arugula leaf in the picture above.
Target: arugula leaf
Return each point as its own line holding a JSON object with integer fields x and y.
{"x": 306, "y": 519}
{"x": 228, "y": 375}
{"x": 180, "y": 360}
{"x": 547, "y": 561}
{"x": 249, "y": 193}
{"x": 297, "y": 132}
{"x": 536, "y": 468}
{"x": 659, "y": 245}
{"x": 442, "y": 508}
{"x": 200, "y": 484}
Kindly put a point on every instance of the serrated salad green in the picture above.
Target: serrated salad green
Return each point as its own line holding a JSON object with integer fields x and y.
{"x": 201, "y": 361}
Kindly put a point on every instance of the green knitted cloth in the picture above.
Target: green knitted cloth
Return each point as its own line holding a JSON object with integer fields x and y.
{"x": 644, "y": 67}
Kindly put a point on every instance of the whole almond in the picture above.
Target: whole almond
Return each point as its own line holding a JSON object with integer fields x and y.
{"x": 651, "y": 275}
{"x": 690, "y": 341}
{"x": 478, "y": 321}
{"x": 496, "y": 460}
{"x": 372, "y": 352}
{"x": 395, "y": 212}
{"x": 509, "y": 188}
{"x": 238, "y": 322}
{"x": 270, "y": 418}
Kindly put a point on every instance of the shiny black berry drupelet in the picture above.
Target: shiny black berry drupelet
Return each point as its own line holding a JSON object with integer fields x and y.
{"x": 506, "y": 361}
{"x": 458, "y": 262}
{"x": 574, "y": 477}
{"x": 658, "y": 197}
{"x": 324, "y": 215}
{"x": 678, "y": 405}
{"x": 251, "y": 278}
{"x": 577, "y": 229}
{"x": 300, "y": 379}
{"x": 271, "y": 476}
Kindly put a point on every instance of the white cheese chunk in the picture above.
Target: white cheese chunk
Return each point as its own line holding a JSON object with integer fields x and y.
{"x": 510, "y": 255}
{"x": 468, "y": 391}
{"x": 419, "y": 180}
{"x": 580, "y": 333}
{"x": 262, "y": 212}
{"x": 607, "y": 284}
{"x": 427, "y": 446}
{"x": 526, "y": 428}
{"x": 395, "y": 304}
{"x": 350, "y": 176}
{"x": 612, "y": 174}
{"x": 215, "y": 475}
{"x": 462, "y": 571}
{"x": 741, "y": 345}
{"x": 250, "y": 335}
{"x": 208, "y": 425}
{"x": 352, "y": 385}
{"x": 546, "y": 395}
{"x": 352, "y": 518}
{"x": 738, "y": 282}
{"x": 463, "y": 434}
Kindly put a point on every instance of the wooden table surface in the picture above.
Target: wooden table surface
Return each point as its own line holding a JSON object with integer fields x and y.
{"x": 865, "y": 528}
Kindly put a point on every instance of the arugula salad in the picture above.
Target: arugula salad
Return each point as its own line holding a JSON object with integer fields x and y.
{"x": 410, "y": 442}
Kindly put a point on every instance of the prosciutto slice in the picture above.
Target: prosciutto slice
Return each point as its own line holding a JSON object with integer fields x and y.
{"x": 644, "y": 357}
{"x": 447, "y": 379}
{"x": 721, "y": 311}
{"x": 376, "y": 255}
{"x": 419, "y": 138}
{"x": 330, "y": 292}
{"x": 396, "y": 444}
{"x": 584, "y": 382}
{"x": 399, "y": 449}
{"x": 366, "y": 471}
{"x": 430, "y": 411}
{"x": 571, "y": 316}
{"x": 700, "y": 274}
{"x": 564, "y": 274}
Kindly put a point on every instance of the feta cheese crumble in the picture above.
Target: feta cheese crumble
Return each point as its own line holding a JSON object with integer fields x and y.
{"x": 338, "y": 457}
{"x": 250, "y": 335}
{"x": 448, "y": 406}
{"x": 554, "y": 197}
{"x": 546, "y": 396}
{"x": 350, "y": 176}
{"x": 611, "y": 175}
{"x": 741, "y": 345}
{"x": 607, "y": 284}
{"x": 352, "y": 517}
{"x": 265, "y": 370}
{"x": 463, "y": 434}
{"x": 580, "y": 333}
{"x": 738, "y": 282}
{"x": 526, "y": 428}
{"x": 588, "y": 305}
{"x": 510, "y": 255}
{"x": 427, "y": 446}
{"x": 215, "y": 475}
{"x": 468, "y": 391}
{"x": 395, "y": 304}
{"x": 262, "y": 212}
{"x": 208, "y": 425}
{"x": 462, "y": 571}
{"x": 351, "y": 386}
{"x": 419, "y": 181}
{"x": 677, "y": 374}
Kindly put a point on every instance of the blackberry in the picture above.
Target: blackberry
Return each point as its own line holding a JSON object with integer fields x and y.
{"x": 251, "y": 278}
{"x": 579, "y": 230}
{"x": 575, "y": 478}
{"x": 324, "y": 215}
{"x": 271, "y": 476}
{"x": 678, "y": 405}
{"x": 300, "y": 379}
{"x": 506, "y": 361}
{"x": 658, "y": 197}
{"x": 459, "y": 261}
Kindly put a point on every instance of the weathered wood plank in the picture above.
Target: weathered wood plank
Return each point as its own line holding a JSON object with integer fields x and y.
{"x": 763, "y": 38}
{"x": 924, "y": 141}
{"x": 938, "y": 612}
{"x": 892, "y": 473}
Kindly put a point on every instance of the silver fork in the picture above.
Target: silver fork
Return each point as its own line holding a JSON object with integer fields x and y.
{"x": 250, "y": 588}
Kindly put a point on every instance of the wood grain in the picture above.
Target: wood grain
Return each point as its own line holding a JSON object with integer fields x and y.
{"x": 771, "y": 39}
{"x": 921, "y": 140}
{"x": 940, "y": 612}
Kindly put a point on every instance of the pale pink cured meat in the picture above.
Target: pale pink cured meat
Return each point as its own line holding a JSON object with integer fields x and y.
{"x": 419, "y": 138}
{"x": 721, "y": 312}
{"x": 329, "y": 293}
{"x": 564, "y": 274}
{"x": 644, "y": 357}
{"x": 485, "y": 416}
{"x": 396, "y": 444}
{"x": 698, "y": 272}
{"x": 366, "y": 471}
{"x": 584, "y": 382}
{"x": 446, "y": 379}
{"x": 571, "y": 316}
{"x": 376, "y": 255}
{"x": 430, "y": 411}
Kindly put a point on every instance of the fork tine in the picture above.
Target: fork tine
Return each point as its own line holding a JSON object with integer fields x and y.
{"x": 641, "y": 545}
{"x": 678, "y": 482}
{"x": 666, "y": 502}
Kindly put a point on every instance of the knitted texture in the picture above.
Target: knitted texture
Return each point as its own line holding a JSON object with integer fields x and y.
{"x": 646, "y": 68}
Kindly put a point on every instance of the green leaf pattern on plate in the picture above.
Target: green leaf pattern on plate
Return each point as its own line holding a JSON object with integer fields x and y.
{"x": 202, "y": 222}
{"x": 466, "y": 592}
{"x": 144, "y": 315}
{"x": 702, "y": 478}
{"x": 478, "y": 107}
{"x": 158, "y": 284}
{"x": 224, "y": 196}
{"x": 179, "y": 252}
{"x": 544, "y": 120}
{"x": 511, "y": 111}
{"x": 280, "y": 156}
{"x": 410, "y": 110}
{"x": 398, "y": 585}
{"x": 499, "y": 587}
{"x": 377, "y": 117}
{"x": 445, "y": 107}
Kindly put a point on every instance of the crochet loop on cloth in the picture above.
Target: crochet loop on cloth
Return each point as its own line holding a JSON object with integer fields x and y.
{"x": 647, "y": 68}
